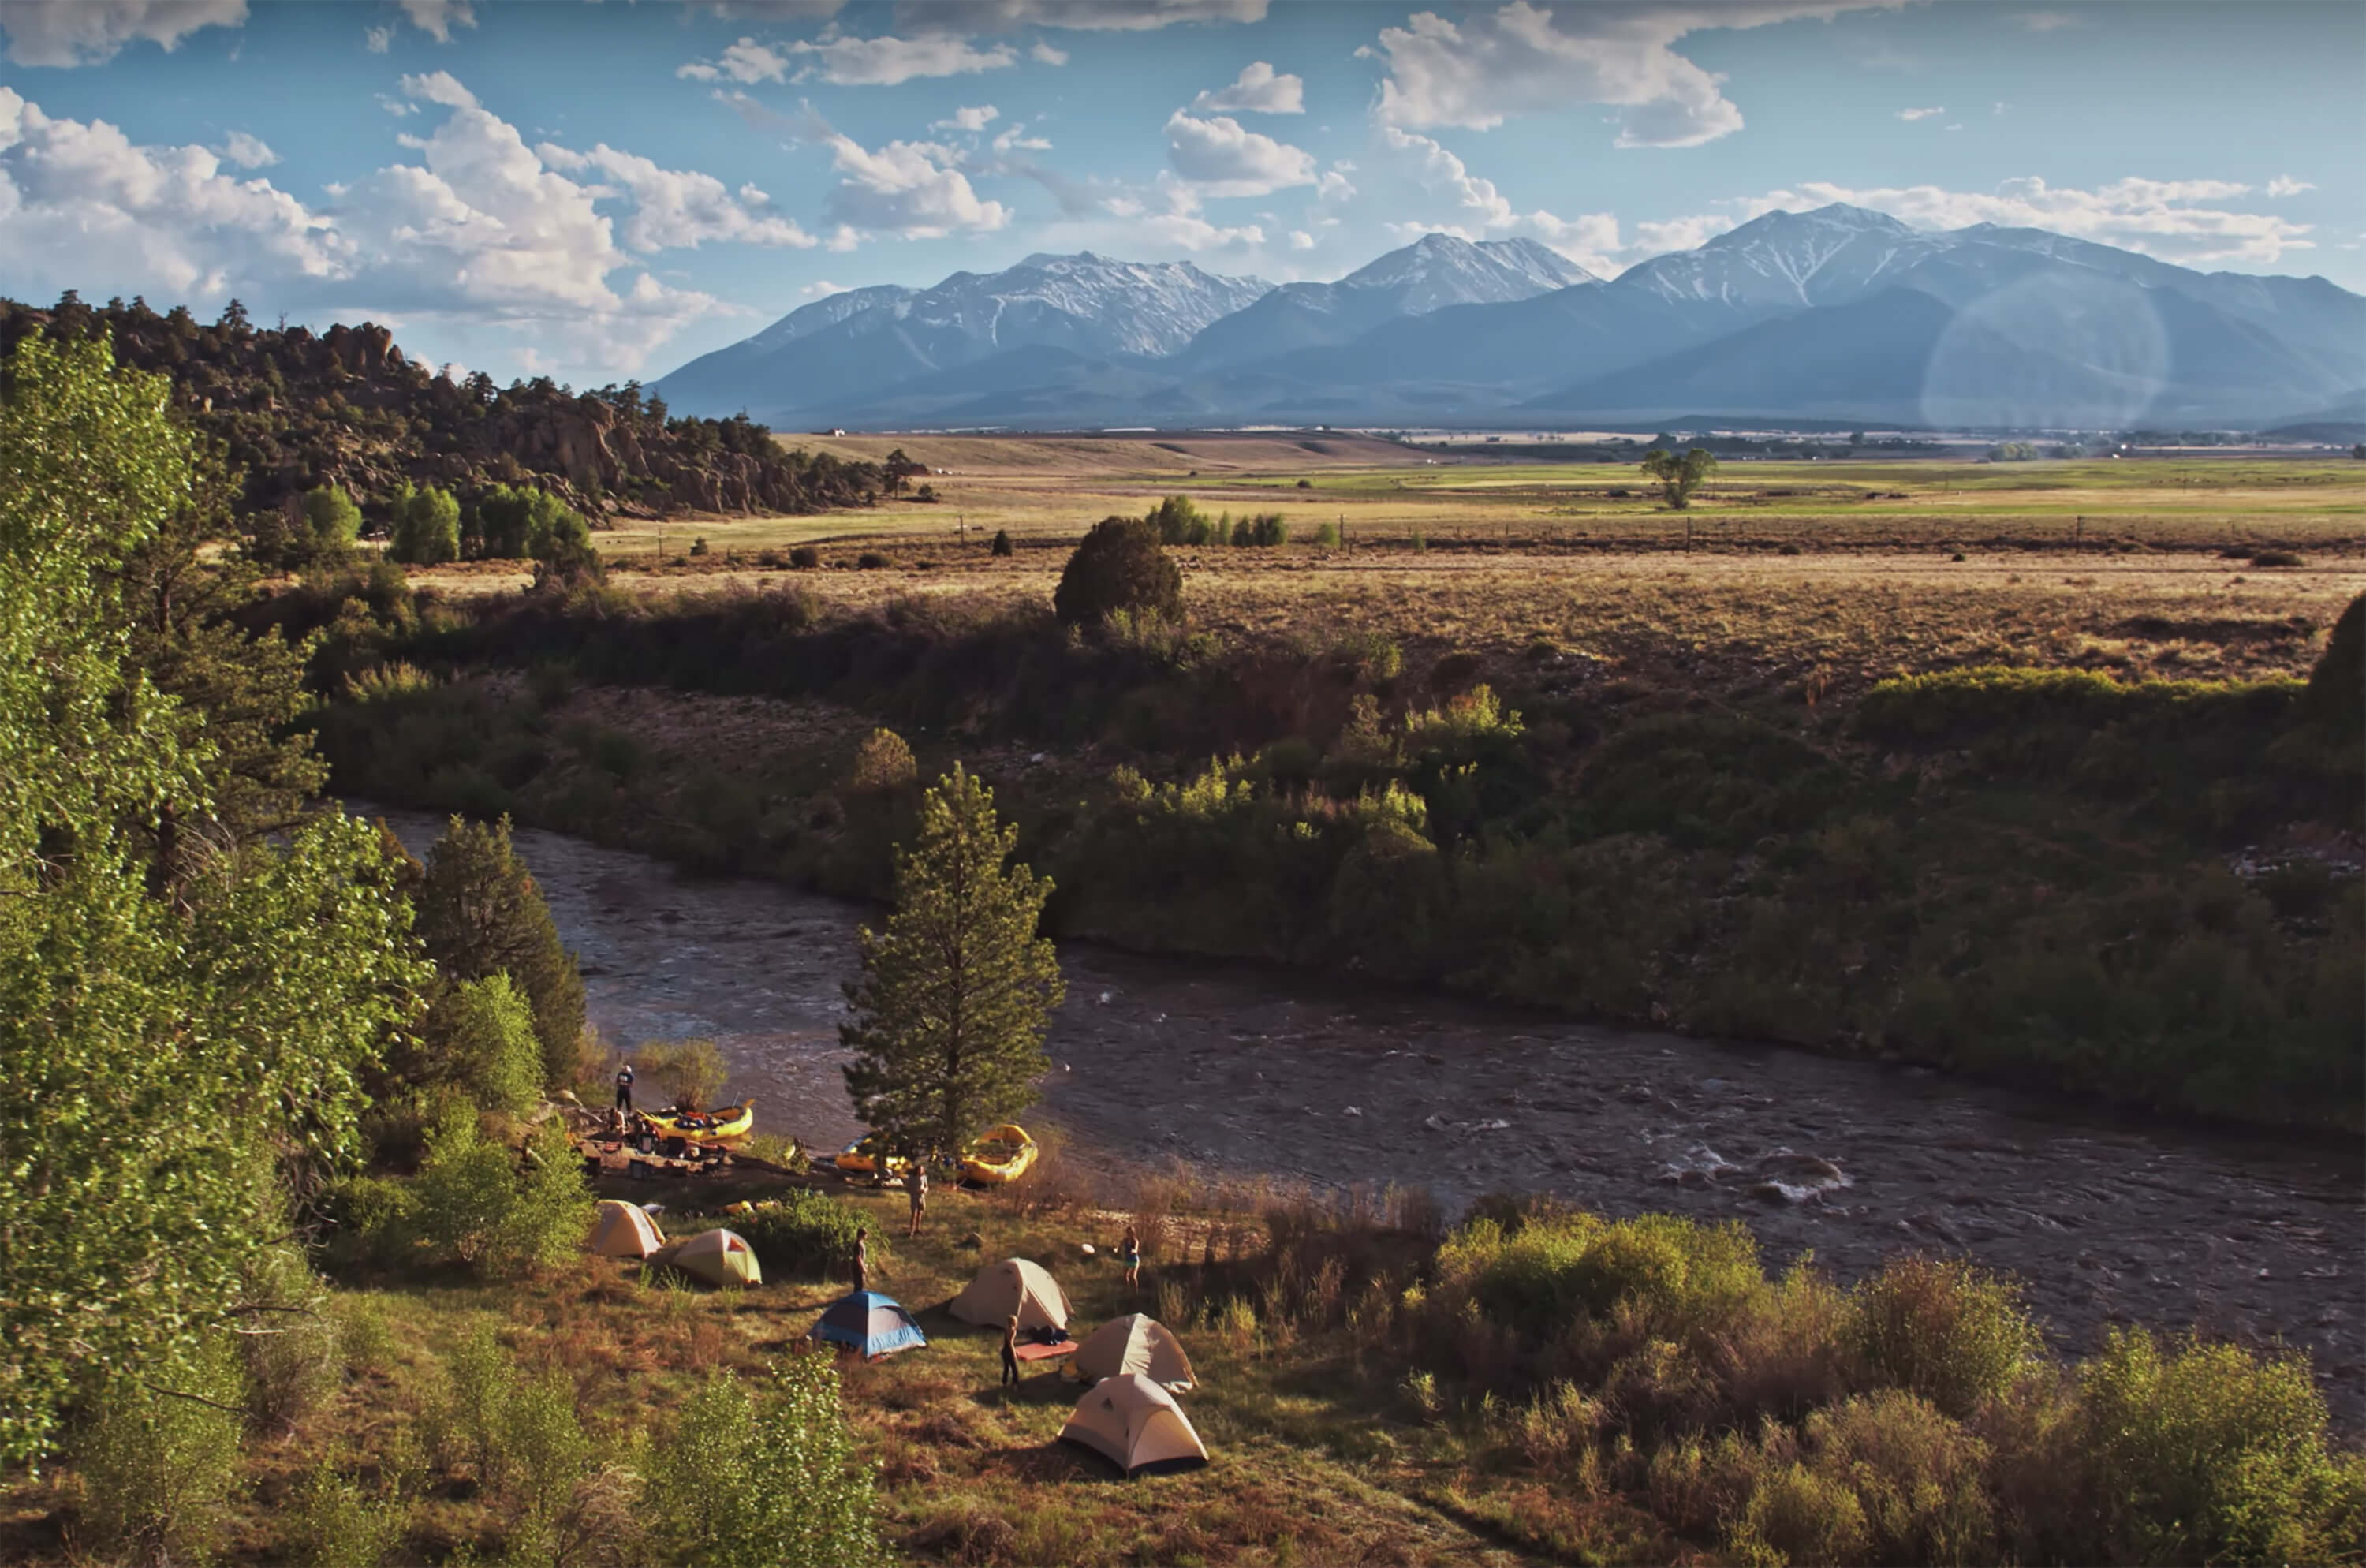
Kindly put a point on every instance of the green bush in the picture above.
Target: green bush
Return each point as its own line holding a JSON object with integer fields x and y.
{"x": 479, "y": 913}
{"x": 334, "y": 1523}
{"x": 1001, "y": 545}
{"x": 156, "y": 1467}
{"x": 802, "y": 1233}
{"x": 1119, "y": 565}
{"x": 426, "y": 527}
{"x": 805, "y": 558}
{"x": 1672, "y": 1275}
{"x": 293, "y": 1354}
{"x": 2336, "y": 687}
{"x": 471, "y": 1201}
{"x": 883, "y": 763}
{"x": 1917, "y": 1477}
{"x": 335, "y": 521}
{"x": 1178, "y": 520}
{"x": 2206, "y": 1453}
{"x": 698, "y": 547}
{"x": 872, "y": 560}
{"x": 479, "y": 1037}
{"x": 765, "y": 1475}
{"x": 1939, "y": 1328}
{"x": 688, "y": 1073}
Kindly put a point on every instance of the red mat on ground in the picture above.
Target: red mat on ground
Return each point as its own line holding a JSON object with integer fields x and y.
{"x": 1046, "y": 1352}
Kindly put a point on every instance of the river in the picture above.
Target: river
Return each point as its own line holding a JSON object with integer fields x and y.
{"x": 1248, "y": 1071}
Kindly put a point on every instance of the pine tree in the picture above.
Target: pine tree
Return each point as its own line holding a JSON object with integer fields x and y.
{"x": 479, "y": 914}
{"x": 950, "y": 1013}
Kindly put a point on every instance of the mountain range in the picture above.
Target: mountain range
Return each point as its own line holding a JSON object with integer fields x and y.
{"x": 1838, "y": 314}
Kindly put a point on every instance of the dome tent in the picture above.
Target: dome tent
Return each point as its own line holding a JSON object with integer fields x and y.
{"x": 1137, "y": 1426}
{"x": 624, "y": 1231}
{"x": 1135, "y": 1344}
{"x": 869, "y": 1322}
{"x": 1014, "y": 1286}
{"x": 719, "y": 1257}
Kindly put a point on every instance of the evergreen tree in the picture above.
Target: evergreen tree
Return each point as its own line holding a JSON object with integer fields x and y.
{"x": 948, "y": 1033}
{"x": 1119, "y": 565}
{"x": 480, "y": 913}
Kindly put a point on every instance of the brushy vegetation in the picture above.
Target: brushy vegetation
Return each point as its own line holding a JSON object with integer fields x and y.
{"x": 2023, "y": 873}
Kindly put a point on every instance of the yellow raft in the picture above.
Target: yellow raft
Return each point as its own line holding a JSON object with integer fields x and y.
{"x": 859, "y": 1158}
{"x": 720, "y": 1125}
{"x": 1004, "y": 1153}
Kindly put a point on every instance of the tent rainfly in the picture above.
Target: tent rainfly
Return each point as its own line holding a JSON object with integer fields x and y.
{"x": 1135, "y": 1344}
{"x": 622, "y": 1231}
{"x": 1137, "y": 1426}
{"x": 1013, "y": 1285}
{"x": 869, "y": 1322}
{"x": 719, "y": 1257}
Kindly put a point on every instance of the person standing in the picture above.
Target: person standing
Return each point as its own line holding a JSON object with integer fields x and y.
{"x": 1010, "y": 1352}
{"x": 624, "y": 1089}
{"x": 916, "y": 1182}
{"x": 1129, "y": 1252}
{"x": 862, "y": 1260}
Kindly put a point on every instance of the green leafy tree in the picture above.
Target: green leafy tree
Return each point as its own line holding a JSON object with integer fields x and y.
{"x": 481, "y": 1041}
{"x": 1179, "y": 522}
{"x": 228, "y": 1026}
{"x": 480, "y": 913}
{"x": 948, "y": 1032}
{"x": 335, "y": 521}
{"x": 1119, "y": 565}
{"x": 426, "y": 530}
{"x": 1678, "y": 478}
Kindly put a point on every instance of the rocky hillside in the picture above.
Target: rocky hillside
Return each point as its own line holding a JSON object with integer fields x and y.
{"x": 295, "y": 410}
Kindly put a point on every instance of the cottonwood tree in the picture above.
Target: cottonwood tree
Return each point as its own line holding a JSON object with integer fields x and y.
{"x": 480, "y": 913}
{"x": 170, "y": 1063}
{"x": 950, "y": 1013}
{"x": 1678, "y": 478}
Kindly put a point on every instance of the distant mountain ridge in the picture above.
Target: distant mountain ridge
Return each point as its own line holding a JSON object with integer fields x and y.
{"x": 1838, "y": 313}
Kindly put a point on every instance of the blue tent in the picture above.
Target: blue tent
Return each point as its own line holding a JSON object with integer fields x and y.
{"x": 871, "y": 1322}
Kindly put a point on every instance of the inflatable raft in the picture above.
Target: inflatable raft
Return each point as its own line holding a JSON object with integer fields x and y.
{"x": 1004, "y": 1153}
{"x": 717, "y": 1126}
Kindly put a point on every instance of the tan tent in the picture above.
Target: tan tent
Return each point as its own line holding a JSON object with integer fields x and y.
{"x": 1137, "y": 1426}
{"x": 719, "y": 1257}
{"x": 1135, "y": 1344}
{"x": 1013, "y": 1285}
{"x": 624, "y": 1231}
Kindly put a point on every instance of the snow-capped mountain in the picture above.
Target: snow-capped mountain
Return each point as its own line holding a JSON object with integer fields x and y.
{"x": 1433, "y": 273}
{"x": 870, "y": 338}
{"x": 1835, "y": 314}
{"x": 1784, "y": 261}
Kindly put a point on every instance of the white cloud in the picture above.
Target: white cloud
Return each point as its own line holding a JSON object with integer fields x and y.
{"x": 2156, "y": 218}
{"x": 1044, "y": 54}
{"x": 377, "y": 40}
{"x": 1175, "y": 223}
{"x": 1299, "y": 240}
{"x": 1910, "y": 115}
{"x": 1257, "y": 91}
{"x": 480, "y": 234}
{"x": 885, "y": 61}
{"x": 1082, "y": 15}
{"x": 89, "y": 32}
{"x": 1219, "y": 158}
{"x": 436, "y": 18}
{"x": 744, "y": 60}
{"x": 2048, "y": 21}
{"x": 771, "y": 10}
{"x": 1480, "y": 210}
{"x": 910, "y": 188}
{"x": 681, "y": 209}
{"x": 1523, "y": 59}
{"x": 248, "y": 150}
{"x": 2285, "y": 184}
{"x": 399, "y": 107}
{"x": 1014, "y": 138}
{"x": 971, "y": 119}
{"x": 821, "y": 289}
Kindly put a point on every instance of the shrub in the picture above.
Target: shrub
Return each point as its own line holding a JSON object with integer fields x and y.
{"x": 698, "y": 547}
{"x": 805, "y": 558}
{"x": 802, "y": 1233}
{"x": 872, "y": 560}
{"x": 479, "y": 913}
{"x": 883, "y": 763}
{"x": 157, "y": 1467}
{"x": 387, "y": 682}
{"x": 1917, "y": 1478}
{"x": 1119, "y": 565}
{"x": 1670, "y": 1274}
{"x": 1176, "y": 521}
{"x": 470, "y": 1418}
{"x": 2277, "y": 559}
{"x": 480, "y": 1037}
{"x": 1942, "y": 1329}
{"x": 334, "y": 1523}
{"x": 1001, "y": 545}
{"x": 690, "y": 1073}
{"x": 2206, "y": 1453}
{"x": 472, "y": 1202}
{"x": 335, "y": 521}
{"x": 293, "y": 1356}
{"x": 2336, "y": 687}
{"x": 769, "y": 1468}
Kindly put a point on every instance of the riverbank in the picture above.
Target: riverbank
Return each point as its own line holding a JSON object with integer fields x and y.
{"x": 1253, "y": 1072}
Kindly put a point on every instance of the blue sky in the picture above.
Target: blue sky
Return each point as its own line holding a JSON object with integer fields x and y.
{"x": 602, "y": 191}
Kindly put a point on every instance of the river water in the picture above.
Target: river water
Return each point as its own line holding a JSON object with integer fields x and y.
{"x": 1247, "y": 1071}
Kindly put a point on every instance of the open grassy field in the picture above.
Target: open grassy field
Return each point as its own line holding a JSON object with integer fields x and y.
{"x": 1377, "y": 494}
